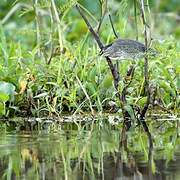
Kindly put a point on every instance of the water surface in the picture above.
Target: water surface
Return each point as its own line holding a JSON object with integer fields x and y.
{"x": 90, "y": 151}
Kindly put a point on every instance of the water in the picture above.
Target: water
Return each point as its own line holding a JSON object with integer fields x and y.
{"x": 90, "y": 151}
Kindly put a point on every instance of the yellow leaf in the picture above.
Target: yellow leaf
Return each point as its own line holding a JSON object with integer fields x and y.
{"x": 22, "y": 84}
{"x": 25, "y": 153}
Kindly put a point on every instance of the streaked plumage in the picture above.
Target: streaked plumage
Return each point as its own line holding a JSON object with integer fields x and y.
{"x": 124, "y": 49}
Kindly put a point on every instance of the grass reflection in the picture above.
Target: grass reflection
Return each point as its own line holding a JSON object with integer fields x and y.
{"x": 94, "y": 151}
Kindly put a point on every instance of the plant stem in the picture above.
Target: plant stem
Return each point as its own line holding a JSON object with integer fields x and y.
{"x": 114, "y": 31}
{"x": 102, "y": 13}
{"x": 58, "y": 25}
{"x": 113, "y": 68}
{"x": 135, "y": 15}
{"x": 38, "y": 35}
{"x": 86, "y": 94}
{"x": 146, "y": 76}
{"x": 100, "y": 44}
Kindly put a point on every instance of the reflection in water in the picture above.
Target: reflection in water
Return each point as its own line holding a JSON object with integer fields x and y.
{"x": 94, "y": 151}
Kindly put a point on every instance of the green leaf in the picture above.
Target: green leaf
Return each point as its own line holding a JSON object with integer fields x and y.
{"x": 92, "y": 74}
{"x": 91, "y": 88}
{"x": 167, "y": 87}
{"x": 107, "y": 81}
{"x": 130, "y": 111}
{"x": 2, "y": 108}
{"x": 178, "y": 82}
{"x": 141, "y": 102}
{"x": 7, "y": 88}
{"x": 4, "y": 97}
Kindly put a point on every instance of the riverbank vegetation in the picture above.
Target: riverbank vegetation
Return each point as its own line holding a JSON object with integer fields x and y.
{"x": 62, "y": 103}
{"x": 50, "y": 63}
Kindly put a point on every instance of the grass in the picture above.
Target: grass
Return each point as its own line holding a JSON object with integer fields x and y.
{"x": 50, "y": 64}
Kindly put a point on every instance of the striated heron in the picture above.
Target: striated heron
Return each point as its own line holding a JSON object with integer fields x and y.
{"x": 125, "y": 49}
{"x": 120, "y": 48}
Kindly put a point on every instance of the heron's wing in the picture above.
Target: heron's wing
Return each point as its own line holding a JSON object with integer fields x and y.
{"x": 123, "y": 48}
{"x": 130, "y": 46}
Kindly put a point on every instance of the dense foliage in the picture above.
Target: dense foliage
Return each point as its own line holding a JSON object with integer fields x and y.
{"x": 49, "y": 63}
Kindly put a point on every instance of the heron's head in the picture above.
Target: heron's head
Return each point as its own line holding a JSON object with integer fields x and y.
{"x": 104, "y": 49}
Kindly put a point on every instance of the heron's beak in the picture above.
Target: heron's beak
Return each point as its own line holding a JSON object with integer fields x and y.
{"x": 101, "y": 52}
